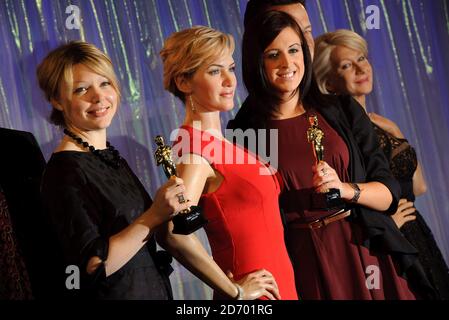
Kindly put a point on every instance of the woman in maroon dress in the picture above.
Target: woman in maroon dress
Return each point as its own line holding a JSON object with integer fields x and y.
{"x": 337, "y": 254}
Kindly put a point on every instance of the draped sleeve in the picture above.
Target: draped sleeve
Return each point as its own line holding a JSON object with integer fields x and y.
{"x": 74, "y": 213}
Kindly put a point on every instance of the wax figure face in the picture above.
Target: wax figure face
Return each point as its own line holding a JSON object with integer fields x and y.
{"x": 351, "y": 72}
{"x": 284, "y": 62}
{"x": 91, "y": 103}
{"x": 212, "y": 86}
{"x": 299, "y": 13}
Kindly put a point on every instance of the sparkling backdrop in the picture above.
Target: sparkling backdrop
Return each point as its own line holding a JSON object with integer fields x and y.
{"x": 409, "y": 54}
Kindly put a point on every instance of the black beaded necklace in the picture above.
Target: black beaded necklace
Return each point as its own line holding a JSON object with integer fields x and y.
{"x": 112, "y": 159}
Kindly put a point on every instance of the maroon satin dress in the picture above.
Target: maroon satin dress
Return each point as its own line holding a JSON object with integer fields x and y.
{"x": 329, "y": 262}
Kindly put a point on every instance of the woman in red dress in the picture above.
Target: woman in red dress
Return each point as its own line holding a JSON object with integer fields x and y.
{"x": 105, "y": 221}
{"x": 238, "y": 193}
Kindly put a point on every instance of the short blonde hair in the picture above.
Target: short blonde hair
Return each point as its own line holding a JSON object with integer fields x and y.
{"x": 185, "y": 51}
{"x": 56, "y": 68}
{"x": 324, "y": 44}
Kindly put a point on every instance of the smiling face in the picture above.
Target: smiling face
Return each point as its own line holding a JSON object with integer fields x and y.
{"x": 351, "y": 72}
{"x": 90, "y": 104}
{"x": 212, "y": 86}
{"x": 284, "y": 62}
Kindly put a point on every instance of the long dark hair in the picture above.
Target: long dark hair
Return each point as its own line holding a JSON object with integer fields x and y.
{"x": 263, "y": 97}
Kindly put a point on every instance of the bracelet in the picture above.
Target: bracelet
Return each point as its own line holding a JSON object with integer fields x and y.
{"x": 357, "y": 192}
{"x": 239, "y": 292}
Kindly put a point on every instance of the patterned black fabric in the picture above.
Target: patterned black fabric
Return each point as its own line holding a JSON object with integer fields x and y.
{"x": 14, "y": 280}
{"x": 403, "y": 163}
{"x": 21, "y": 168}
{"x": 88, "y": 202}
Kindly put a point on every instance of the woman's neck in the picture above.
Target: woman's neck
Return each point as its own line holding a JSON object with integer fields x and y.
{"x": 204, "y": 121}
{"x": 361, "y": 100}
{"x": 95, "y": 138}
{"x": 290, "y": 107}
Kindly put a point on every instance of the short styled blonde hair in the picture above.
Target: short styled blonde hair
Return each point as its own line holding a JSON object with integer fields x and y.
{"x": 185, "y": 51}
{"x": 324, "y": 44}
{"x": 56, "y": 69}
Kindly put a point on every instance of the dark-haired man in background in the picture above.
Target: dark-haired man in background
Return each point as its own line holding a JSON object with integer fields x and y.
{"x": 295, "y": 8}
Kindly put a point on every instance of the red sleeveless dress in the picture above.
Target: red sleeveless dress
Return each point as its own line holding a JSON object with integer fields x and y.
{"x": 245, "y": 229}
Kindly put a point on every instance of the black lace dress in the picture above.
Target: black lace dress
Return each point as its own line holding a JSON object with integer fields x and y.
{"x": 403, "y": 163}
{"x": 89, "y": 201}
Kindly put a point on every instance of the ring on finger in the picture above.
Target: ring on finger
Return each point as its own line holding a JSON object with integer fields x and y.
{"x": 180, "y": 197}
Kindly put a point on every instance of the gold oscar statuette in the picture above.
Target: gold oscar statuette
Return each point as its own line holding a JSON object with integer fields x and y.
{"x": 191, "y": 219}
{"x": 331, "y": 198}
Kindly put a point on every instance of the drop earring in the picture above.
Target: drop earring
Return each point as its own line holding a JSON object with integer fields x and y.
{"x": 191, "y": 104}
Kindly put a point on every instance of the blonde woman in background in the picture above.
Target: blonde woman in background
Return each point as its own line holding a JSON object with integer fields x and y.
{"x": 342, "y": 67}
